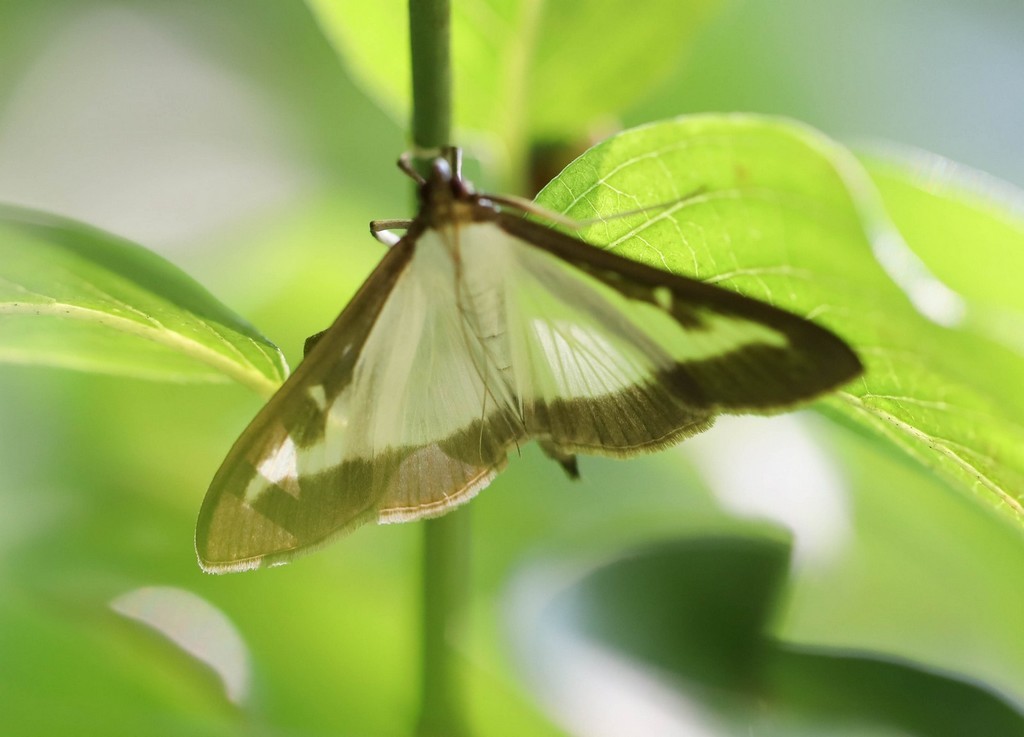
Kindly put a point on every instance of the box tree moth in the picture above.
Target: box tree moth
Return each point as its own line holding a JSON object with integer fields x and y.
{"x": 479, "y": 330}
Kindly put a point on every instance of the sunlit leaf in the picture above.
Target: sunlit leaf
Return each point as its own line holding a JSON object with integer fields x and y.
{"x": 969, "y": 230}
{"x": 522, "y": 68}
{"x": 75, "y": 297}
{"x": 778, "y": 212}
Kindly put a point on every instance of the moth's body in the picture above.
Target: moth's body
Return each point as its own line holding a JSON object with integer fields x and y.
{"x": 479, "y": 331}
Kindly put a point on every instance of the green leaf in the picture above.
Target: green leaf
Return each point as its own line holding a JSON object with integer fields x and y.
{"x": 776, "y": 211}
{"x": 75, "y": 297}
{"x": 967, "y": 228}
{"x": 917, "y": 563}
{"x": 113, "y": 677}
{"x": 522, "y": 68}
{"x": 588, "y": 64}
{"x": 698, "y": 610}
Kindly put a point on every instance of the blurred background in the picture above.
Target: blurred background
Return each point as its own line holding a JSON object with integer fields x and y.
{"x": 228, "y": 136}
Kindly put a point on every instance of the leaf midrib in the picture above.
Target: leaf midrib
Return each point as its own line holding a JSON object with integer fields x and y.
{"x": 245, "y": 373}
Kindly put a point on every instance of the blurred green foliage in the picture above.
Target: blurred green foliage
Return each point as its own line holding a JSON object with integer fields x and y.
{"x": 910, "y": 626}
{"x": 95, "y": 303}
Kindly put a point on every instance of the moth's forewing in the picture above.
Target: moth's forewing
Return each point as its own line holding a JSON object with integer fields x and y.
{"x": 692, "y": 350}
{"x": 265, "y": 502}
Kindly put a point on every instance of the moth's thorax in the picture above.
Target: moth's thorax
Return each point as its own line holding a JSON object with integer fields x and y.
{"x": 453, "y": 220}
{"x": 447, "y": 212}
{"x": 447, "y": 201}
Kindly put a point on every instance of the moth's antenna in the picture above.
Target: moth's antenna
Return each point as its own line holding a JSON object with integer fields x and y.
{"x": 676, "y": 204}
{"x": 532, "y": 208}
{"x": 455, "y": 155}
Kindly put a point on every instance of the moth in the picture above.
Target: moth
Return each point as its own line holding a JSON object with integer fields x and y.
{"x": 478, "y": 331}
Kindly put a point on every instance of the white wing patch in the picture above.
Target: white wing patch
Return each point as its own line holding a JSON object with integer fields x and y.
{"x": 319, "y": 396}
{"x": 280, "y": 467}
{"x": 585, "y": 363}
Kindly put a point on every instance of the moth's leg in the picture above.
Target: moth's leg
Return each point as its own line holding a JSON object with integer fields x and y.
{"x": 405, "y": 164}
{"x": 566, "y": 460}
{"x": 381, "y": 230}
{"x": 311, "y": 341}
{"x": 453, "y": 154}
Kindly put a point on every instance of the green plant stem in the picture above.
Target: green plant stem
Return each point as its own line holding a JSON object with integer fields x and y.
{"x": 445, "y": 540}
{"x": 430, "y": 40}
{"x": 445, "y": 568}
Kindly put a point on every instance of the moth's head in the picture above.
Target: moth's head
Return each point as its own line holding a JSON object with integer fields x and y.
{"x": 441, "y": 175}
{"x": 444, "y": 184}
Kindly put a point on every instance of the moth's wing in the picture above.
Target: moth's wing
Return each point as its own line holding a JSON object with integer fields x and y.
{"x": 455, "y": 418}
{"x": 260, "y": 507}
{"x": 381, "y": 421}
{"x": 616, "y": 357}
